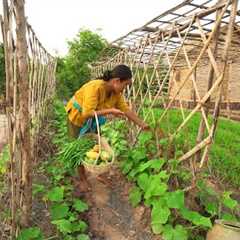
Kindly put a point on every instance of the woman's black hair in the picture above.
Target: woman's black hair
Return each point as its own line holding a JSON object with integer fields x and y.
{"x": 122, "y": 72}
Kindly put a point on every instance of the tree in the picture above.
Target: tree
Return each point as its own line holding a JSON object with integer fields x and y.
{"x": 73, "y": 70}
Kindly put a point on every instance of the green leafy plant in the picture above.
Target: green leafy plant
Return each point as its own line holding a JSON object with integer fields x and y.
{"x": 33, "y": 233}
{"x": 56, "y": 194}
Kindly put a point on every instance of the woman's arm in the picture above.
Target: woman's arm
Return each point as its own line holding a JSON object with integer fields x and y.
{"x": 131, "y": 115}
{"x": 134, "y": 117}
{"x": 113, "y": 111}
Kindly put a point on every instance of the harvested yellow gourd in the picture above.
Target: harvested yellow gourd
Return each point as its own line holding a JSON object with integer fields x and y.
{"x": 105, "y": 156}
{"x": 92, "y": 155}
{"x": 96, "y": 148}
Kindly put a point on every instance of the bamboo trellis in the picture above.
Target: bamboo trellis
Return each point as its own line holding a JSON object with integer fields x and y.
{"x": 165, "y": 43}
{"x": 30, "y": 83}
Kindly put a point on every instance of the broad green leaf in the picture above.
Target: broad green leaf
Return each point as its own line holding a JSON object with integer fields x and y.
{"x": 133, "y": 173}
{"x": 155, "y": 164}
{"x": 177, "y": 233}
{"x": 127, "y": 166}
{"x": 135, "y": 196}
{"x": 180, "y": 233}
{"x": 144, "y": 137}
{"x": 159, "y": 214}
{"x": 59, "y": 211}
{"x": 168, "y": 232}
{"x": 164, "y": 141}
{"x": 148, "y": 202}
{"x": 142, "y": 181}
{"x": 138, "y": 155}
{"x": 155, "y": 200}
{"x": 228, "y": 201}
{"x": 72, "y": 217}
{"x": 33, "y": 233}
{"x": 83, "y": 237}
{"x": 229, "y": 217}
{"x": 145, "y": 166}
{"x": 163, "y": 175}
{"x": 79, "y": 205}
{"x": 212, "y": 208}
{"x": 175, "y": 199}
{"x": 79, "y": 226}
{"x": 156, "y": 188}
{"x": 56, "y": 194}
{"x": 196, "y": 218}
{"x": 63, "y": 225}
{"x": 157, "y": 228}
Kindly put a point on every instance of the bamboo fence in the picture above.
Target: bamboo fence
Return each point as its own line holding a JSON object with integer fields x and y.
{"x": 30, "y": 83}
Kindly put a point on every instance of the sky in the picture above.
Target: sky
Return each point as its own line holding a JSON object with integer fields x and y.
{"x": 56, "y": 21}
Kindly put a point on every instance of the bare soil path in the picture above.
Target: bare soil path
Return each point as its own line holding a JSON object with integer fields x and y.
{"x": 111, "y": 216}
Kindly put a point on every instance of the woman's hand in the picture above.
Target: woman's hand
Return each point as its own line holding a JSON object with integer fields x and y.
{"x": 145, "y": 127}
{"x": 116, "y": 112}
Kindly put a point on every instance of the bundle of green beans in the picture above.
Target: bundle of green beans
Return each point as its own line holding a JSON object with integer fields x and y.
{"x": 73, "y": 153}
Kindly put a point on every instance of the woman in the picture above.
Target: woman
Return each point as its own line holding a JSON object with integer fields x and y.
{"x": 103, "y": 97}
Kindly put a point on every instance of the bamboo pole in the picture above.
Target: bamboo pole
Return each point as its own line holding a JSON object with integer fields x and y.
{"x": 25, "y": 144}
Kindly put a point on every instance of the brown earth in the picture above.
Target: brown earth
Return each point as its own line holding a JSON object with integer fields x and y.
{"x": 111, "y": 216}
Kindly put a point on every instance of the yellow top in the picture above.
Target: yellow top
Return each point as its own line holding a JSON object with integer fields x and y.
{"x": 92, "y": 97}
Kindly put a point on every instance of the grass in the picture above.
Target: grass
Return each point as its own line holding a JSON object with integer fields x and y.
{"x": 224, "y": 157}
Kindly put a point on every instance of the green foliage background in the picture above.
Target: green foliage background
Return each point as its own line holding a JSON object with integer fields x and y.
{"x": 73, "y": 70}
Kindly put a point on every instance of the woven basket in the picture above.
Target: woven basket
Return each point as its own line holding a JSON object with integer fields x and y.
{"x": 103, "y": 145}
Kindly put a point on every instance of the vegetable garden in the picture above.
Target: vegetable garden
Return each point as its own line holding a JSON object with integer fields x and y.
{"x": 182, "y": 175}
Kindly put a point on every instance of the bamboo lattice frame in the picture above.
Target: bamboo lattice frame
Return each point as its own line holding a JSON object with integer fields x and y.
{"x": 30, "y": 83}
{"x": 167, "y": 42}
